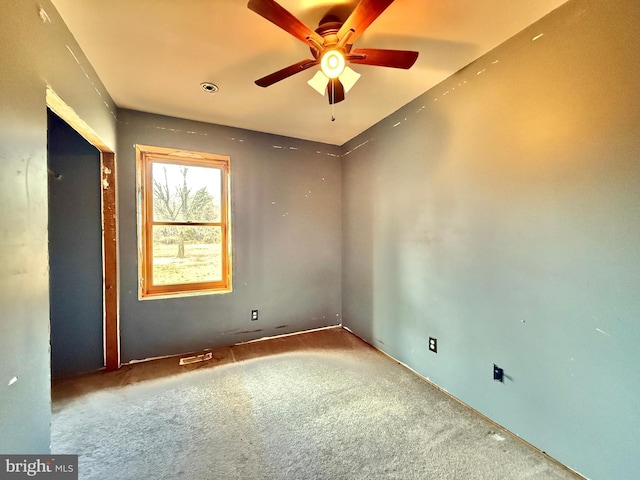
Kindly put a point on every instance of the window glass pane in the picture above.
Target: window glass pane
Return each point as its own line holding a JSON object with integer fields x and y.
{"x": 186, "y": 193}
{"x": 183, "y": 254}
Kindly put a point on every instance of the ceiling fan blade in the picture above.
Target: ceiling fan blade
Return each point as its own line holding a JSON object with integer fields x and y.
{"x": 281, "y": 17}
{"x": 383, "y": 58}
{"x": 285, "y": 72}
{"x": 335, "y": 91}
{"x": 362, "y": 16}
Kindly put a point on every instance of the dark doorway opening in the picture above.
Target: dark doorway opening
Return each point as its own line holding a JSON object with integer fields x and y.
{"x": 76, "y": 280}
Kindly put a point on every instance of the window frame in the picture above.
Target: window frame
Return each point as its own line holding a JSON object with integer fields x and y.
{"x": 146, "y": 156}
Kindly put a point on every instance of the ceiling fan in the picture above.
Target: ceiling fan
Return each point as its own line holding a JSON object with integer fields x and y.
{"x": 331, "y": 45}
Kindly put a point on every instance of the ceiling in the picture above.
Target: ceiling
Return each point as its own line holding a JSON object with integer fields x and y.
{"x": 152, "y": 55}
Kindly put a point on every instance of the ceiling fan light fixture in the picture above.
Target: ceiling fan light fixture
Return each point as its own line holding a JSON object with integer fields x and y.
{"x": 332, "y": 63}
{"x": 331, "y": 46}
{"x": 349, "y": 78}
{"x": 319, "y": 82}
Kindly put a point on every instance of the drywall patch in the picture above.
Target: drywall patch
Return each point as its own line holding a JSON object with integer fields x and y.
{"x": 88, "y": 77}
{"x": 73, "y": 55}
{"x": 44, "y": 16}
{"x": 357, "y": 147}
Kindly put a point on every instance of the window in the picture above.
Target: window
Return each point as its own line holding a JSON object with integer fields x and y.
{"x": 184, "y": 229}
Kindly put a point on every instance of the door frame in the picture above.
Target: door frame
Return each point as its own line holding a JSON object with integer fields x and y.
{"x": 110, "y": 294}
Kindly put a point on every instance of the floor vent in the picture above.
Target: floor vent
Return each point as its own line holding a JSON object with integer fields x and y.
{"x": 203, "y": 357}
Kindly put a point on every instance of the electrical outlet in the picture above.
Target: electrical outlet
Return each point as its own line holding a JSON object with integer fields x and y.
{"x": 433, "y": 344}
{"x": 498, "y": 373}
{"x": 254, "y": 315}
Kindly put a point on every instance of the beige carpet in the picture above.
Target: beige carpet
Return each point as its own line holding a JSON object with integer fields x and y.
{"x": 335, "y": 413}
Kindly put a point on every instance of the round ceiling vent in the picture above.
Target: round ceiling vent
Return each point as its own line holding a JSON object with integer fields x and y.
{"x": 209, "y": 87}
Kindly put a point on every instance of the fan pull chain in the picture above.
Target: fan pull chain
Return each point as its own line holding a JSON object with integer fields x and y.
{"x": 333, "y": 105}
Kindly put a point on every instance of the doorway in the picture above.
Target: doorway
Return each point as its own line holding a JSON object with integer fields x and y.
{"x": 75, "y": 251}
{"x": 83, "y": 245}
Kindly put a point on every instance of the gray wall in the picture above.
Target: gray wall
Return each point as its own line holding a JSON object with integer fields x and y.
{"x": 286, "y": 229}
{"x": 75, "y": 252}
{"x": 33, "y": 54}
{"x": 500, "y": 213}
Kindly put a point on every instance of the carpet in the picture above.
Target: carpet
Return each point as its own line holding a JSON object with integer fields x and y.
{"x": 334, "y": 414}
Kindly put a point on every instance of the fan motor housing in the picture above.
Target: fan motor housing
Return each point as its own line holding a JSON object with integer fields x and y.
{"x": 328, "y": 29}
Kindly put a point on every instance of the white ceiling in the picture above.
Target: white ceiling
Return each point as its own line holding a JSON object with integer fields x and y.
{"x": 152, "y": 56}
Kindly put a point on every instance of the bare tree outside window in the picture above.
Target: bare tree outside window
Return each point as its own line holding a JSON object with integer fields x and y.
{"x": 179, "y": 202}
{"x": 186, "y": 227}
